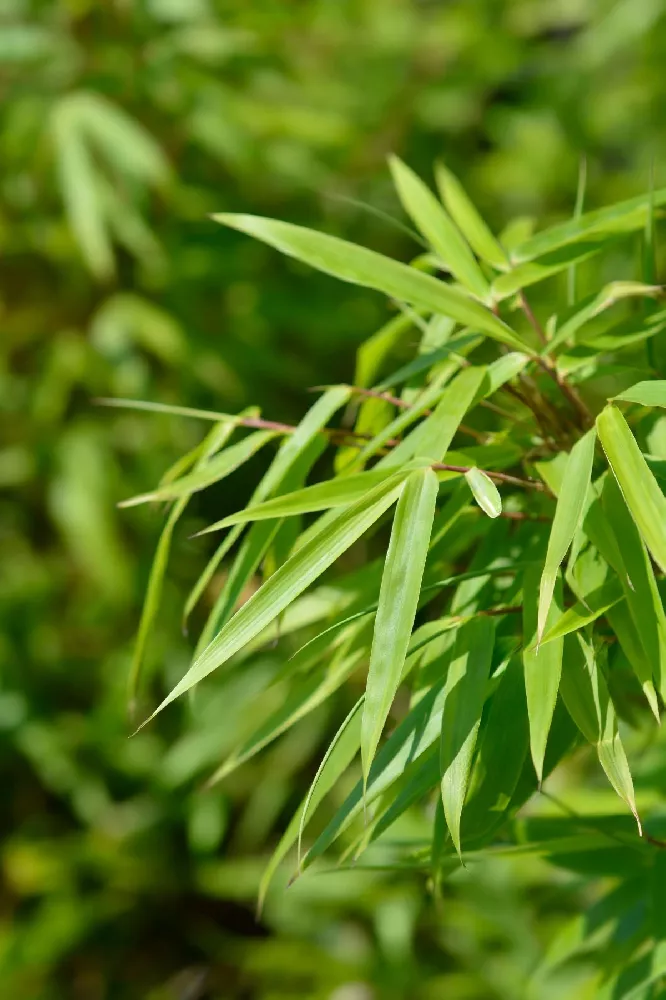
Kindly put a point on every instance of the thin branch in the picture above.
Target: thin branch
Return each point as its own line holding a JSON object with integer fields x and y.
{"x": 534, "y": 322}
{"x": 402, "y": 404}
{"x": 502, "y": 477}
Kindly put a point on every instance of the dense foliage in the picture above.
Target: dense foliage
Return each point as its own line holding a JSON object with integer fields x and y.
{"x": 122, "y": 126}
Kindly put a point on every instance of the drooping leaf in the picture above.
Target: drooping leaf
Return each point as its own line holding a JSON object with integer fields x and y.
{"x": 398, "y": 601}
{"x": 485, "y": 492}
{"x": 361, "y": 266}
{"x": 289, "y": 581}
{"x": 464, "y": 695}
{"x": 442, "y": 234}
{"x": 570, "y": 503}
{"x": 542, "y": 667}
{"x": 586, "y": 696}
{"x": 335, "y": 762}
{"x": 468, "y": 219}
{"x": 643, "y": 497}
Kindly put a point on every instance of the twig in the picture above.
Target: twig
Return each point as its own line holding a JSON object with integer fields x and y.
{"x": 502, "y": 477}
{"x": 402, "y": 404}
{"x": 534, "y": 322}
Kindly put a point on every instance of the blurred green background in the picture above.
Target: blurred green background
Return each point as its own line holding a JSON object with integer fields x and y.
{"x": 122, "y": 125}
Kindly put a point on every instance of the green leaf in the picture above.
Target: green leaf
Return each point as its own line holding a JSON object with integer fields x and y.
{"x": 214, "y": 440}
{"x": 442, "y": 234}
{"x": 646, "y": 393}
{"x": 398, "y": 601}
{"x": 504, "y": 369}
{"x": 643, "y": 497}
{"x": 336, "y": 760}
{"x": 647, "y": 654}
{"x": 542, "y": 667}
{"x": 578, "y": 211}
{"x": 290, "y": 580}
{"x": 623, "y": 217}
{"x": 609, "y": 296}
{"x": 468, "y": 219}
{"x": 544, "y": 266}
{"x": 361, "y": 266}
{"x": 583, "y": 613}
{"x": 464, "y": 695}
{"x": 332, "y": 493}
{"x": 585, "y": 694}
{"x": 485, "y": 492}
{"x": 570, "y": 504}
{"x": 433, "y": 437}
{"x": 212, "y": 472}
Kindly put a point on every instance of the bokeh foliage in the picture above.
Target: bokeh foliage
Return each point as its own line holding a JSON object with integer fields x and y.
{"x": 122, "y": 126}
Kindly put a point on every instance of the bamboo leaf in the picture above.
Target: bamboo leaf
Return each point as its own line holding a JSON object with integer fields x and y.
{"x": 464, "y": 695}
{"x": 361, "y": 266}
{"x": 212, "y": 472}
{"x": 584, "y": 613}
{"x": 433, "y": 437}
{"x": 544, "y": 266}
{"x": 542, "y": 667}
{"x": 336, "y": 760}
{"x": 585, "y": 694}
{"x": 398, "y": 601}
{"x": 485, "y": 492}
{"x": 570, "y": 504}
{"x": 217, "y": 437}
{"x": 332, "y": 493}
{"x": 623, "y": 217}
{"x": 442, "y": 234}
{"x": 643, "y": 497}
{"x": 468, "y": 219}
{"x": 651, "y": 393}
{"x": 609, "y": 296}
{"x": 290, "y": 580}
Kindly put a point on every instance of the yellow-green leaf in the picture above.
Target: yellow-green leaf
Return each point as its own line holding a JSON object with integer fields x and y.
{"x": 644, "y": 499}
{"x": 485, "y": 492}
{"x": 468, "y": 219}
{"x": 398, "y": 601}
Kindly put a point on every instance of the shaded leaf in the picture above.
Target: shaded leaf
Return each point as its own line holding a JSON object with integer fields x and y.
{"x": 464, "y": 695}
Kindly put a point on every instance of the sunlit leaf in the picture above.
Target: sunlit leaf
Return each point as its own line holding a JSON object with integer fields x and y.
{"x": 571, "y": 499}
{"x": 485, "y": 492}
{"x": 398, "y": 601}
{"x": 361, "y": 266}
{"x": 644, "y": 499}
{"x": 442, "y": 234}
{"x": 542, "y": 667}
{"x": 468, "y": 219}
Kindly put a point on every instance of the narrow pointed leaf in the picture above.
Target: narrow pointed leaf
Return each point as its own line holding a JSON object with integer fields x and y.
{"x": 623, "y": 217}
{"x": 468, "y": 219}
{"x": 485, "y": 492}
{"x": 434, "y": 436}
{"x": 290, "y": 580}
{"x": 544, "y": 266}
{"x": 646, "y": 393}
{"x": 570, "y": 504}
{"x": 581, "y": 614}
{"x": 212, "y": 472}
{"x": 361, "y": 266}
{"x": 585, "y": 694}
{"x": 643, "y": 497}
{"x": 321, "y": 496}
{"x": 442, "y": 234}
{"x": 398, "y": 601}
{"x": 464, "y": 695}
{"x": 542, "y": 668}
{"x": 597, "y": 304}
